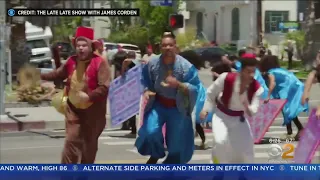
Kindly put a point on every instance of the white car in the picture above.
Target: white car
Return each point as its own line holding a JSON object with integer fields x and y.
{"x": 131, "y": 47}
{"x": 40, "y": 52}
{"x": 110, "y": 46}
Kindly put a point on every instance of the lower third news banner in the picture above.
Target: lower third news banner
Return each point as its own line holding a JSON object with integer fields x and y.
{"x": 73, "y": 12}
{"x": 159, "y": 171}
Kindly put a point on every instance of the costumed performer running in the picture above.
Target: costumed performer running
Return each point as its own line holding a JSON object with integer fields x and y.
{"x": 283, "y": 84}
{"x": 171, "y": 87}
{"x": 88, "y": 79}
{"x": 194, "y": 59}
{"x": 232, "y": 95}
{"x": 257, "y": 74}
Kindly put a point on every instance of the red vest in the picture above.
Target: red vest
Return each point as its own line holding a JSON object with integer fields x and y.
{"x": 228, "y": 88}
{"x": 91, "y": 72}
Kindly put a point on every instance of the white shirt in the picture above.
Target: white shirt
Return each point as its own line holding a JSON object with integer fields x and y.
{"x": 216, "y": 89}
{"x": 146, "y": 57}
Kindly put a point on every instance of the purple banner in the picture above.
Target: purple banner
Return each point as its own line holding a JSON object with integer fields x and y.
{"x": 267, "y": 113}
{"x": 309, "y": 141}
{"x": 124, "y": 95}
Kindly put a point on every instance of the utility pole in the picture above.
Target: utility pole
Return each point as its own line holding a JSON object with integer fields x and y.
{"x": 3, "y": 32}
{"x": 259, "y": 21}
{"x": 175, "y": 5}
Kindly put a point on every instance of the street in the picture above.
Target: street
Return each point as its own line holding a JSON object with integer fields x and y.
{"x": 115, "y": 147}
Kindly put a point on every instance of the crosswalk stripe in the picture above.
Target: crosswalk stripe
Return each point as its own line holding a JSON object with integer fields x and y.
{"x": 209, "y": 138}
{"x": 199, "y": 157}
{"x": 256, "y": 147}
{"x": 275, "y": 134}
{"x": 108, "y": 137}
{"x": 116, "y": 132}
{"x": 131, "y": 142}
{"x": 104, "y": 132}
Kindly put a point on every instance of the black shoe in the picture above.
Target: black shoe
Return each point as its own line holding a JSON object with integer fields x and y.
{"x": 152, "y": 160}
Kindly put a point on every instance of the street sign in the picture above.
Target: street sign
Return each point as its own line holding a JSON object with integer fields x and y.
{"x": 293, "y": 25}
{"x": 281, "y": 25}
{"x": 161, "y": 3}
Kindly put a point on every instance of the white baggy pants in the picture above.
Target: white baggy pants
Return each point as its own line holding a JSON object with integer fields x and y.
{"x": 232, "y": 140}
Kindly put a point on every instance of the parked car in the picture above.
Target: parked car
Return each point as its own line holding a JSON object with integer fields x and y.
{"x": 212, "y": 54}
{"x": 40, "y": 52}
{"x": 65, "y": 49}
{"x": 110, "y": 46}
{"x": 131, "y": 47}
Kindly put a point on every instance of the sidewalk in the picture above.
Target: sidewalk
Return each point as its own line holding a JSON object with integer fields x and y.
{"x": 33, "y": 118}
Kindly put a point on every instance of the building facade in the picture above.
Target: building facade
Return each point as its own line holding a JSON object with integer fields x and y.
{"x": 272, "y": 15}
{"x": 230, "y": 21}
{"x": 101, "y": 24}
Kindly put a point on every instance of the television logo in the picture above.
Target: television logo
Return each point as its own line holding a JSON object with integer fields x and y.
{"x": 281, "y": 154}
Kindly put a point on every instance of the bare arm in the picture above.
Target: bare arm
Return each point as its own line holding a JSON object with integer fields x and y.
{"x": 308, "y": 83}
{"x": 227, "y": 61}
{"x": 272, "y": 84}
{"x": 212, "y": 93}
{"x": 126, "y": 64}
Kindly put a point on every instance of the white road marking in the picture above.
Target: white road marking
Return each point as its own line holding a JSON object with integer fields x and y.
{"x": 209, "y": 138}
{"x": 131, "y": 142}
{"x": 104, "y": 132}
{"x": 120, "y": 143}
{"x": 108, "y": 137}
{"x": 34, "y": 147}
{"x": 199, "y": 157}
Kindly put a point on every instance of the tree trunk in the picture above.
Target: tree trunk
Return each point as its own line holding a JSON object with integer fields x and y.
{"x": 19, "y": 53}
{"x": 309, "y": 31}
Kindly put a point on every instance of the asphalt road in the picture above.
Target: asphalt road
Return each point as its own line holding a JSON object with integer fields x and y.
{"x": 114, "y": 146}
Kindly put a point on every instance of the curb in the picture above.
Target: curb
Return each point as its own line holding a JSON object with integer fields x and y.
{"x": 26, "y": 105}
{"x": 53, "y": 133}
{"x": 13, "y": 124}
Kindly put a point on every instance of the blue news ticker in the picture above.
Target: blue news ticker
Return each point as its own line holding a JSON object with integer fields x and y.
{"x": 159, "y": 168}
{"x": 158, "y": 171}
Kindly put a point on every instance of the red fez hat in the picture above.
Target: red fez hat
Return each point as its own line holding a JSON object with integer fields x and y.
{"x": 85, "y": 32}
{"x": 248, "y": 55}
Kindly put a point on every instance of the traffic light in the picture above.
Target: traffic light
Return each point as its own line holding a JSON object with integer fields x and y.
{"x": 176, "y": 21}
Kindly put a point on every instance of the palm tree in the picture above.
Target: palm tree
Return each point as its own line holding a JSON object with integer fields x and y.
{"x": 309, "y": 31}
{"x": 19, "y": 52}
